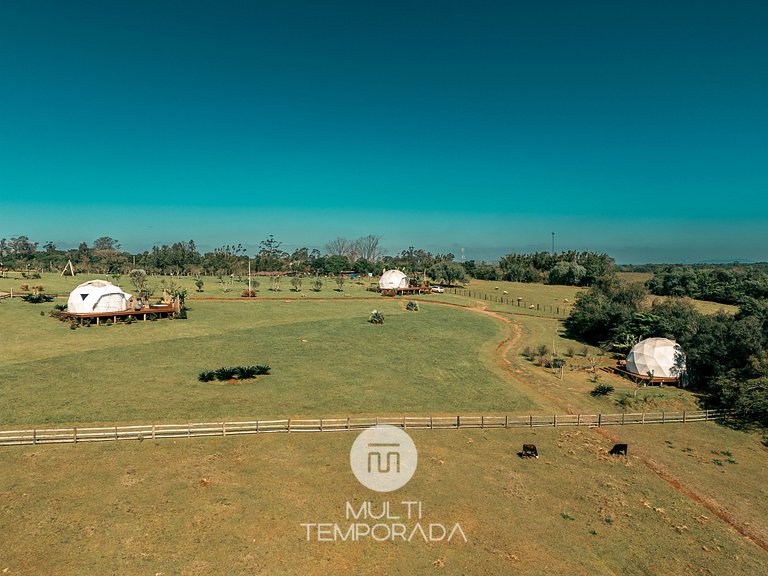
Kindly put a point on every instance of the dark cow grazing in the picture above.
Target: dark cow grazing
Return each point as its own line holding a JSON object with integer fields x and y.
{"x": 529, "y": 451}
{"x": 618, "y": 449}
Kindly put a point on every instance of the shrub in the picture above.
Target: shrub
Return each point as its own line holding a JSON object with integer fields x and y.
{"x": 224, "y": 374}
{"x": 262, "y": 369}
{"x": 206, "y": 376}
{"x": 130, "y": 319}
{"x": 246, "y": 372}
{"x": 317, "y": 284}
{"x": 60, "y": 307}
{"x": 248, "y": 293}
{"x": 412, "y": 306}
{"x": 528, "y": 352}
{"x": 199, "y": 284}
{"x": 542, "y": 350}
{"x": 38, "y": 298}
{"x": 376, "y": 317}
{"x": 602, "y": 390}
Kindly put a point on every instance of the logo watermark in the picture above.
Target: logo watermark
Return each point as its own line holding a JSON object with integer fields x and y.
{"x": 383, "y": 458}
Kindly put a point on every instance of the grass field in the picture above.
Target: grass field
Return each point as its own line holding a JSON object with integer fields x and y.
{"x": 235, "y": 505}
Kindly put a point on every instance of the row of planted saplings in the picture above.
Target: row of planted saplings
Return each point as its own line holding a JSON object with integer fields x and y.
{"x": 234, "y": 373}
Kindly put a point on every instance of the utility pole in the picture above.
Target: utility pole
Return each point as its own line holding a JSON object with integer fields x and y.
{"x": 553, "y": 243}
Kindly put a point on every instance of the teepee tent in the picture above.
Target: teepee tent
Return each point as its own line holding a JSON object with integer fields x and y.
{"x": 393, "y": 279}
{"x": 97, "y": 296}
{"x": 661, "y": 357}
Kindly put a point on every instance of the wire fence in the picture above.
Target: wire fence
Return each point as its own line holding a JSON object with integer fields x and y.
{"x": 557, "y": 310}
{"x": 34, "y": 436}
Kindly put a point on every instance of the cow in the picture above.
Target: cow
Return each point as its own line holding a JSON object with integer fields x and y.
{"x": 529, "y": 451}
{"x": 618, "y": 449}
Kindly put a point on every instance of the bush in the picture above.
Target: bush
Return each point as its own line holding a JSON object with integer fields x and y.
{"x": 376, "y": 317}
{"x": 602, "y": 390}
{"x": 223, "y": 374}
{"x": 262, "y": 369}
{"x": 246, "y": 372}
{"x": 60, "y": 307}
{"x": 317, "y": 284}
{"x": 38, "y": 298}
{"x": 206, "y": 376}
{"x": 542, "y": 350}
{"x": 528, "y": 352}
{"x": 412, "y": 306}
{"x": 130, "y": 319}
{"x": 248, "y": 293}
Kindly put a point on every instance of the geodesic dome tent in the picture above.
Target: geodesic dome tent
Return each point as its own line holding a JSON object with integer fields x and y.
{"x": 393, "y": 279}
{"x": 97, "y": 296}
{"x": 661, "y": 356}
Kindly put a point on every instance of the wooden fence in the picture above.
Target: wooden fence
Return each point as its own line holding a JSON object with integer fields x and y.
{"x": 557, "y": 310}
{"x": 157, "y": 431}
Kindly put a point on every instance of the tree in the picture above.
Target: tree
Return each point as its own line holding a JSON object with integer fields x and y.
{"x": 270, "y": 257}
{"x": 338, "y": 247}
{"x": 296, "y": 283}
{"x": 368, "y": 248}
{"x": 448, "y": 272}
{"x": 340, "y": 280}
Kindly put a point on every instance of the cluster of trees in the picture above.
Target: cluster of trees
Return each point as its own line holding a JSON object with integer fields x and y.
{"x": 727, "y": 285}
{"x": 727, "y": 355}
{"x": 566, "y": 268}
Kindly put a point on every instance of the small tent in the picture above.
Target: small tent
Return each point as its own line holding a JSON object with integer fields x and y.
{"x": 393, "y": 279}
{"x": 97, "y": 296}
{"x": 660, "y": 356}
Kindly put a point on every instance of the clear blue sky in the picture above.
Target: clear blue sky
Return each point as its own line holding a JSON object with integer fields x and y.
{"x": 636, "y": 128}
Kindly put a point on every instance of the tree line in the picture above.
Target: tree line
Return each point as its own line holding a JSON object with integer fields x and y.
{"x": 362, "y": 256}
{"x": 726, "y": 285}
{"x": 727, "y": 355}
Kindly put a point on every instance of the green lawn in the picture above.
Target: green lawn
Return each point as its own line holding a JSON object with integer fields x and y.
{"x": 236, "y": 505}
{"x": 326, "y": 359}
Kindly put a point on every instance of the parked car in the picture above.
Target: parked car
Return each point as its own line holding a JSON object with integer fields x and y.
{"x": 438, "y": 289}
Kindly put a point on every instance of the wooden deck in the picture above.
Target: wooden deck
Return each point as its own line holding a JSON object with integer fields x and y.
{"x": 150, "y": 312}
{"x": 641, "y": 379}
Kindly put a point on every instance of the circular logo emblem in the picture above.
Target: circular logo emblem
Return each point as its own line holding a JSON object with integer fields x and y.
{"x": 383, "y": 458}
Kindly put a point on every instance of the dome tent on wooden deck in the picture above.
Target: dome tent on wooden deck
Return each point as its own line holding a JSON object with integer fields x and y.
{"x": 657, "y": 358}
{"x": 97, "y": 296}
{"x": 393, "y": 279}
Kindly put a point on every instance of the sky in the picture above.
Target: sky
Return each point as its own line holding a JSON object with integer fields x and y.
{"x": 638, "y": 129}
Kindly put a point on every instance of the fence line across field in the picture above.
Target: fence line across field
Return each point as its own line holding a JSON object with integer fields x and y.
{"x": 559, "y": 310}
{"x": 140, "y": 432}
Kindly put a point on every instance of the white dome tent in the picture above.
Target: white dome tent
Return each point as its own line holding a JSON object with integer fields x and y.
{"x": 657, "y": 358}
{"x": 392, "y": 280}
{"x": 97, "y": 296}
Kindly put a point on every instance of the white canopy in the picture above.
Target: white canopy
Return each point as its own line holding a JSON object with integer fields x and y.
{"x": 664, "y": 357}
{"x": 392, "y": 279}
{"x": 97, "y": 296}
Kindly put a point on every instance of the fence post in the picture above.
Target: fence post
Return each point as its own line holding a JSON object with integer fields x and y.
{"x": 622, "y": 418}
{"x": 153, "y": 431}
{"x": 458, "y": 422}
{"x": 348, "y": 423}
{"x": 34, "y": 436}
{"x": 554, "y": 420}
{"x": 578, "y": 419}
{"x": 74, "y": 435}
{"x": 257, "y": 426}
{"x": 189, "y": 429}
{"x": 404, "y": 425}
{"x": 321, "y": 424}
{"x": 116, "y": 438}
{"x": 289, "y": 425}
{"x": 643, "y": 419}
{"x": 530, "y": 420}
{"x": 430, "y": 422}
{"x": 706, "y": 415}
{"x": 506, "y": 421}
{"x": 663, "y": 418}
{"x": 600, "y": 419}
{"x": 223, "y": 428}
{"x": 482, "y": 421}
{"x": 683, "y": 416}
